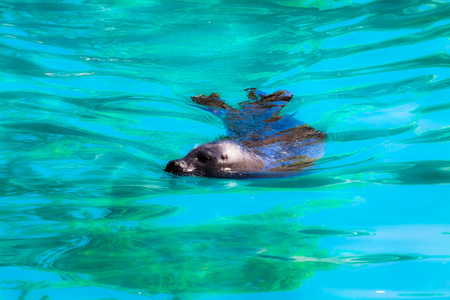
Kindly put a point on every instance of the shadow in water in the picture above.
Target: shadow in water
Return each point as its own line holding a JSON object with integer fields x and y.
{"x": 125, "y": 249}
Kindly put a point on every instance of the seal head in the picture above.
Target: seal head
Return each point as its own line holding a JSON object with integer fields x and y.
{"x": 217, "y": 159}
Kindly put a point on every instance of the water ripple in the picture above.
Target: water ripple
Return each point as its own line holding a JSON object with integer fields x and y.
{"x": 95, "y": 99}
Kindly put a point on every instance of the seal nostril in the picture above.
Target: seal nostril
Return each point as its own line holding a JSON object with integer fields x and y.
{"x": 175, "y": 167}
{"x": 170, "y": 166}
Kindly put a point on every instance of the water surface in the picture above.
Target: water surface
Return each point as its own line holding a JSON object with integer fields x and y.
{"x": 95, "y": 99}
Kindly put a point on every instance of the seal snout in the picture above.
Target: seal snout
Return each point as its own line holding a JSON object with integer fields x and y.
{"x": 176, "y": 166}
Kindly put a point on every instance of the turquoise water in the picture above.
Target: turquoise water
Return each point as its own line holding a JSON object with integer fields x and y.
{"x": 95, "y": 100}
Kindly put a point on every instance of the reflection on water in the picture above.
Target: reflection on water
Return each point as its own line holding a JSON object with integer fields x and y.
{"x": 120, "y": 247}
{"x": 95, "y": 99}
{"x": 123, "y": 248}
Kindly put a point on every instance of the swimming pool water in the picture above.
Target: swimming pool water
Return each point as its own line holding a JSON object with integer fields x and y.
{"x": 95, "y": 100}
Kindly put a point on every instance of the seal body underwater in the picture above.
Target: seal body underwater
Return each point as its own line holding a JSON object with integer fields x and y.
{"x": 260, "y": 142}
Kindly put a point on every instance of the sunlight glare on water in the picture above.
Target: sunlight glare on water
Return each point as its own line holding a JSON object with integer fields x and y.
{"x": 95, "y": 100}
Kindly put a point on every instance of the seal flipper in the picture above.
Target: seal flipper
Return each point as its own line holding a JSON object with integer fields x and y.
{"x": 254, "y": 94}
{"x": 211, "y": 101}
{"x": 272, "y": 103}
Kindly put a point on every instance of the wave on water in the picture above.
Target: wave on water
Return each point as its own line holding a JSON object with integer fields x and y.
{"x": 95, "y": 100}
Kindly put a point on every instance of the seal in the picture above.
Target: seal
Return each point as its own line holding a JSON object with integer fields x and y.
{"x": 216, "y": 159}
{"x": 260, "y": 141}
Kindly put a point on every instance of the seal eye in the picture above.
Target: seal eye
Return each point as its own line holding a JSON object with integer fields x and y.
{"x": 203, "y": 158}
